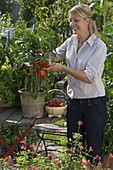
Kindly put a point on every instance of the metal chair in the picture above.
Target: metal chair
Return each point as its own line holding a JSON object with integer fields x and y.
{"x": 51, "y": 129}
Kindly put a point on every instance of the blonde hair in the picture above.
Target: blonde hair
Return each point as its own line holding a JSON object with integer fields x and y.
{"x": 84, "y": 11}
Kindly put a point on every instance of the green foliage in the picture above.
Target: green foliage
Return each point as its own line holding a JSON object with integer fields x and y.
{"x": 54, "y": 17}
{"x": 5, "y": 21}
{"x": 27, "y": 11}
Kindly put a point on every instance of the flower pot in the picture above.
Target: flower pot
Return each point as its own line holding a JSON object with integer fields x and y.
{"x": 31, "y": 107}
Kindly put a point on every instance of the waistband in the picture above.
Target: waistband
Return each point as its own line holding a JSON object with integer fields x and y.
{"x": 90, "y": 100}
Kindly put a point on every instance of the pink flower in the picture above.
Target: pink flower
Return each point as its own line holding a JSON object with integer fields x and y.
{"x": 23, "y": 141}
{"x": 55, "y": 166}
{"x": 6, "y": 158}
{"x": 45, "y": 167}
{"x": 31, "y": 146}
{"x": 67, "y": 141}
{"x": 73, "y": 151}
{"x": 59, "y": 162}
{"x": 40, "y": 147}
{"x": 85, "y": 162}
{"x": 53, "y": 154}
{"x": 74, "y": 136}
{"x": 96, "y": 157}
{"x": 23, "y": 147}
{"x": 11, "y": 161}
{"x": 35, "y": 168}
{"x": 111, "y": 155}
{"x": 80, "y": 123}
{"x": 34, "y": 153}
{"x": 48, "y": 154}
{"x": 100, "y": 163}
{"x": 57, "y": 132}
{"x": 38, "y": 156}
{"x": 36, "y": 54}
{"x": 80, "y": 153}
{"x": 91, "y": 149}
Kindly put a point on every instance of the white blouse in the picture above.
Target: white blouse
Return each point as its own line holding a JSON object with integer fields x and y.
{"x": 90, "y": 58}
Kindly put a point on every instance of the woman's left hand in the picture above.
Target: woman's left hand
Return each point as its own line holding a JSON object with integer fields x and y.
{"x": 54, "y": 67}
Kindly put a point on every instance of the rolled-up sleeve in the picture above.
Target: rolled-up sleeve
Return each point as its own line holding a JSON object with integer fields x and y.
{"x": 61, "y": 52}
{"x": 95, "y": 65}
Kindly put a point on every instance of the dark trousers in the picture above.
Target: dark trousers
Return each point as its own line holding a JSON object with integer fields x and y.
{"x": 93, "y": 113}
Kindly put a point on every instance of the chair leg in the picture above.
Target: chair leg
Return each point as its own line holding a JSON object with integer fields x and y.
{"x": 42, "y": 139}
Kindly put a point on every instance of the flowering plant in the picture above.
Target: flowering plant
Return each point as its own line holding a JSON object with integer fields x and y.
{"x": 34, "y": 158}
{"x": 31, "y": 159}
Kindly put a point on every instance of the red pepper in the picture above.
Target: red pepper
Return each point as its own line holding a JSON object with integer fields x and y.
{"x": 42, "y": 74}
{"x": 52, "y": 103}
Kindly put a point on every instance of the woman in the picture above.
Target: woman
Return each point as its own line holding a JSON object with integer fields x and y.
{"x": 85, "y": 54}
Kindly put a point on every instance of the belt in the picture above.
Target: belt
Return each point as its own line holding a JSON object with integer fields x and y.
{"x": 90, "y": 100}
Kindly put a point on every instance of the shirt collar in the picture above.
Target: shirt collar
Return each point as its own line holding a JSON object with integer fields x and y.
{"x": 91, "y": 39}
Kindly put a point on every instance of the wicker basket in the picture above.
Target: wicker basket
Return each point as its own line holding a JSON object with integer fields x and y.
{"x": 57, "y": 111}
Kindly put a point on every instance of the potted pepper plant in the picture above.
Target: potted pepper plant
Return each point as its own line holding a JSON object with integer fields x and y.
{"x": 36, "y": 83}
